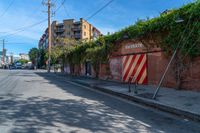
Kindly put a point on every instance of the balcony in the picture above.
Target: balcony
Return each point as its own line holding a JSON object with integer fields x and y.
{"x": 77, "y": 36}
{"x": 61, "y": 35}
{"x": 76, "y": 28}
{"x": 59, "y": 30}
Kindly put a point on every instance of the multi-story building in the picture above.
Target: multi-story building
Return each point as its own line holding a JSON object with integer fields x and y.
{"x": 70, "y": 29}
{"x": 4, "y": 59}
{"x": 43, "y": 43}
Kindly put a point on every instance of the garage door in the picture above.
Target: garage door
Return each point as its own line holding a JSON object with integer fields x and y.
{"x": 135, "y": 66}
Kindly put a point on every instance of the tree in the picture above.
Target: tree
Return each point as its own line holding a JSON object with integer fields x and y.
{"x": 42, "y": 58}
{"x": 23, "y": 61}
{"x": 33, "y": 55}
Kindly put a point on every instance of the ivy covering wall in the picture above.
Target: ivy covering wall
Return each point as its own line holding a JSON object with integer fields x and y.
{"x": 163, "y": 29}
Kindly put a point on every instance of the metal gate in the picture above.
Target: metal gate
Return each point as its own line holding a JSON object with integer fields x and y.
{"x": 135, "y": 66}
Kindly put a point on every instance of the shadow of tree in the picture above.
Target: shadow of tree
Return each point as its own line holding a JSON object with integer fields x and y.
{"x": 42, "y": 114}
{"x": 92, "y": 112}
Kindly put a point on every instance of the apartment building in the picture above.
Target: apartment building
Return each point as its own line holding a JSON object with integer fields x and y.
{"x": 43, "y": 42}
{"x": 70, "y": 29}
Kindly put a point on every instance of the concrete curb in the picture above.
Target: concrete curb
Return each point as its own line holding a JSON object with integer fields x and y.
{"x": 146, "y": 102}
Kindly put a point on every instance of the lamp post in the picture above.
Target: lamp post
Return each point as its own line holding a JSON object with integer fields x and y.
{"x": 179, "y": 20}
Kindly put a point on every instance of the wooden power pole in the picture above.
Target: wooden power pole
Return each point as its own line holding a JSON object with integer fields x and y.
{"x": 49, "y": 5}
{"x": 3, "y": 52}
{"x": 49, "y": 37}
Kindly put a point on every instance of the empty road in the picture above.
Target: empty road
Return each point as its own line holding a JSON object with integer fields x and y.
{"x": 38, "y": 102}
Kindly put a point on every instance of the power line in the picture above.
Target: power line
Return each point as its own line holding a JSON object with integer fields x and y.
{"x": 11, "y": 43}
{"x": 11, "y": 3}
{"x": 66, "y": 11}
{"x": 99, "y": 10}
{"x": 30, "y": 26}
{"x": 24, "y": 28}
{"x": 63, "y": 2}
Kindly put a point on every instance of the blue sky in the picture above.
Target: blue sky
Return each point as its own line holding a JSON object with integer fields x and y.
{"x": 117, "y": 15}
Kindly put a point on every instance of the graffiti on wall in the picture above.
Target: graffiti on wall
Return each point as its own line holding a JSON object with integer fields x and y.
{"x": 116, "y": 68}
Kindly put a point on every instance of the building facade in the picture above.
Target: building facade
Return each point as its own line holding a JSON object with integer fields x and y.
{"x": 43, "y": 42}
{"x": 70, "y": 29}
{"x": 24, "y": 56}
{"x": 3, "y": 58}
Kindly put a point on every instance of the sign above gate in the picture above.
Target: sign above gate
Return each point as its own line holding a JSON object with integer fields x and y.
{"x": 133, "y": 46}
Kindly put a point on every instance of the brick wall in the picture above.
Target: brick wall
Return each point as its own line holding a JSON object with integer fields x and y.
{"x": 157, "y": 63}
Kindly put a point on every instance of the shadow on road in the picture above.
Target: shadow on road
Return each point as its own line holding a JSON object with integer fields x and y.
{"x": 99, "y": 114}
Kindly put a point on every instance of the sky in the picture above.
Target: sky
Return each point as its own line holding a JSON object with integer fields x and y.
{"x": 16, "y": 14}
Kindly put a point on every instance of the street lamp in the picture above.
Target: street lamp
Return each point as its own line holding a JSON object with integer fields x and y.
{"x": 179, "y": 20}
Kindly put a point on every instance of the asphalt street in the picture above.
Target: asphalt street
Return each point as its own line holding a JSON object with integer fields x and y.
{"x": 38, "y": 102}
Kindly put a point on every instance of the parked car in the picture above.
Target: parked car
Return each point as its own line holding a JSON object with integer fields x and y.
{"x": 18, "y": 65}
{"x": 11, "y": 66}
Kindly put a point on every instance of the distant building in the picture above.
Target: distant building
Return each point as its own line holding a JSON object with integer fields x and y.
{"x": 3, "y": 61}
{"x": 16, "y": 58}
{"x": 24, "y": 56}
{"x": 70, "y": 29}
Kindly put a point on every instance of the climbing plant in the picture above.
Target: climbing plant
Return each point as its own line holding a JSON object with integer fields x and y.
{"x": 163, "y": 28}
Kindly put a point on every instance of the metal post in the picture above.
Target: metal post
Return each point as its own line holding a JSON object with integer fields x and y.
{"x": 49, "y": 37}
{"x": 129, "y": 85}
{"x": 135, "y": 91}
{"x": 163, "y": 76}
{"x": 3, "y": 54}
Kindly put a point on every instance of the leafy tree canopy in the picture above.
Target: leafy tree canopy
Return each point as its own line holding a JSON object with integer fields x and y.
{"x": 33, "y": 53}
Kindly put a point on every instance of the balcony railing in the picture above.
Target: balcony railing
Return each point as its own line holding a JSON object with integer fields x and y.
{"x": 76, "y": 28}
{"x": 59, "y": 30}
{"x": 77, "y": 36}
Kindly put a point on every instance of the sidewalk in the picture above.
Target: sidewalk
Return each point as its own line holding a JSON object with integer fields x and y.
{"x": 178, "y": 102}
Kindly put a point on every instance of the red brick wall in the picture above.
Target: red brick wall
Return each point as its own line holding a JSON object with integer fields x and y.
{"x": 157, "y": 63}
{"x": 191, "y": 75}
{"x": 104, "y": 71}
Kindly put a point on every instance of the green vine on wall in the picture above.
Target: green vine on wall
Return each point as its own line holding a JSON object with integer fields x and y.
{"x": 164, "y": 27}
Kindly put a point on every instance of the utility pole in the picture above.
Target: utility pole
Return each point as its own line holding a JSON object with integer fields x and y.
{"x": 11, "y": 58}
{"x": 49, "y": 5}
{"x": 3, "y": 56}
{"x": 3, "y": 53}
{"x": 49, "y": 37}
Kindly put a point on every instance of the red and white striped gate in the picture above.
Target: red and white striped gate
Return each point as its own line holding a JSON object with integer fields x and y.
{"x": 135, "y": 66}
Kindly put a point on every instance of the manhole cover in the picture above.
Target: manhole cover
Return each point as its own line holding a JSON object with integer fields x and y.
{"x": 147, "y": 95}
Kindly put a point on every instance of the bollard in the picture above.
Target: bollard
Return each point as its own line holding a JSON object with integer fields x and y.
{"x": 131, "y": 78}
{"x": 129, "y": 85}
{"x": 129, "y": 82}
{"x": 135, "y": 91}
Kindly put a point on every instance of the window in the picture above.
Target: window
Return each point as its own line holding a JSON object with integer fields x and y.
{"x": 84, "y": 33}
{"x": 68, "y": 33}
{"x": 85, "y": 26}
